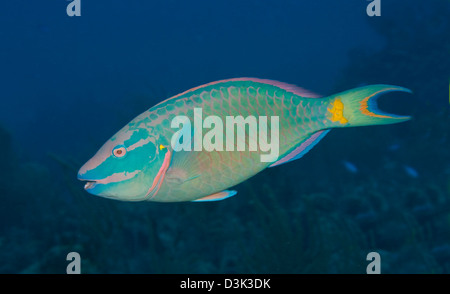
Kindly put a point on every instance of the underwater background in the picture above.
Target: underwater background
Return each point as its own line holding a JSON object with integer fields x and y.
{"x": 69, "y": 83}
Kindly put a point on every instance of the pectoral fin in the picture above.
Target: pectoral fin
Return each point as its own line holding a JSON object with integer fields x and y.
{"x": 159, "y": 178}
{"x": 179, "y": 176}
{"x": 217, "y": 196}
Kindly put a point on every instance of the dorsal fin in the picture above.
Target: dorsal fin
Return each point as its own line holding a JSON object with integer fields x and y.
{"x": 302, "y": 149}
{"x": 285, "y": 86}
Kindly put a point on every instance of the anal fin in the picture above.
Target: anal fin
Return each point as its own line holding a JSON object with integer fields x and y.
{"x": 217, "y": 196}
{"x": 302, "y": 148}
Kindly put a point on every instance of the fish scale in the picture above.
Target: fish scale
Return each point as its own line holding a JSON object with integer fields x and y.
{"x": 232, "y": 99}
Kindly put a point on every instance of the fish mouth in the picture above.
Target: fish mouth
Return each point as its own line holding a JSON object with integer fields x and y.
{"x": 89, "y": 184}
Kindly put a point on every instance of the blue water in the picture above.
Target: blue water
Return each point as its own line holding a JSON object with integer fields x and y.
{"x": 69, "y": 83}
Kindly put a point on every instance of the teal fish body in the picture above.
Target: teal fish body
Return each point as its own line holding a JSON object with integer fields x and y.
{"x": 140, "y": 162}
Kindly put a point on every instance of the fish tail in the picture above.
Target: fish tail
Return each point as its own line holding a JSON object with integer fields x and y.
{"x": 358, "y": 107}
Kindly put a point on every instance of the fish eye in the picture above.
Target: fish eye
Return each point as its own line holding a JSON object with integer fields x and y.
{"x": 119, "y": 151}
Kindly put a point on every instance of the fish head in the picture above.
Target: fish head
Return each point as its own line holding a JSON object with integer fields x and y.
{"x": 127, "y": 167}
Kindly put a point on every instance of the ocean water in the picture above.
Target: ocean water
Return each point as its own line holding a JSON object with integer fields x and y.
{"x": 68, "y": 83}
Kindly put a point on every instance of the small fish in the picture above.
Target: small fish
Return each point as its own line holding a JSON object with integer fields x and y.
{"x": 410, "y": 171}
{"x": 350, "y": 167}
{"x": 138, "y": 163}
{"x": 394, "y": 147}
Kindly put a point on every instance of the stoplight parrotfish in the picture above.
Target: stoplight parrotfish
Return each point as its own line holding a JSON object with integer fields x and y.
{"x": 140, "y": 162}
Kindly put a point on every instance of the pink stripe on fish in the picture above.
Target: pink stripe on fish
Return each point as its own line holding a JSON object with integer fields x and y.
{"x": 299, "y": 149}
{"x": 139, "y": 143}
{"x": 285, "y": 86}
{"x": 159, "y": 178}
{"x": 118, "y": 177}
{"x": 103, "y": 153}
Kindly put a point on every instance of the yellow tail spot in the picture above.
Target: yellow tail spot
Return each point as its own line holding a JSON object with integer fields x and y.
{"x": 337, "y": 111}
{"x": 161, "y": 147}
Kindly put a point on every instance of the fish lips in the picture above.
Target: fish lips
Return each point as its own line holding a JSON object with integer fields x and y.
{"x": 90, "y": 183}
{"x": 94, "y": 187}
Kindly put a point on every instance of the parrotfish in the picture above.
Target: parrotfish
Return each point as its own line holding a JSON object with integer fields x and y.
{"x": 140, "y": 162}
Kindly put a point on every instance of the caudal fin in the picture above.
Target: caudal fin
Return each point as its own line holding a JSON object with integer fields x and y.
{"x": 358, "y": 107}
